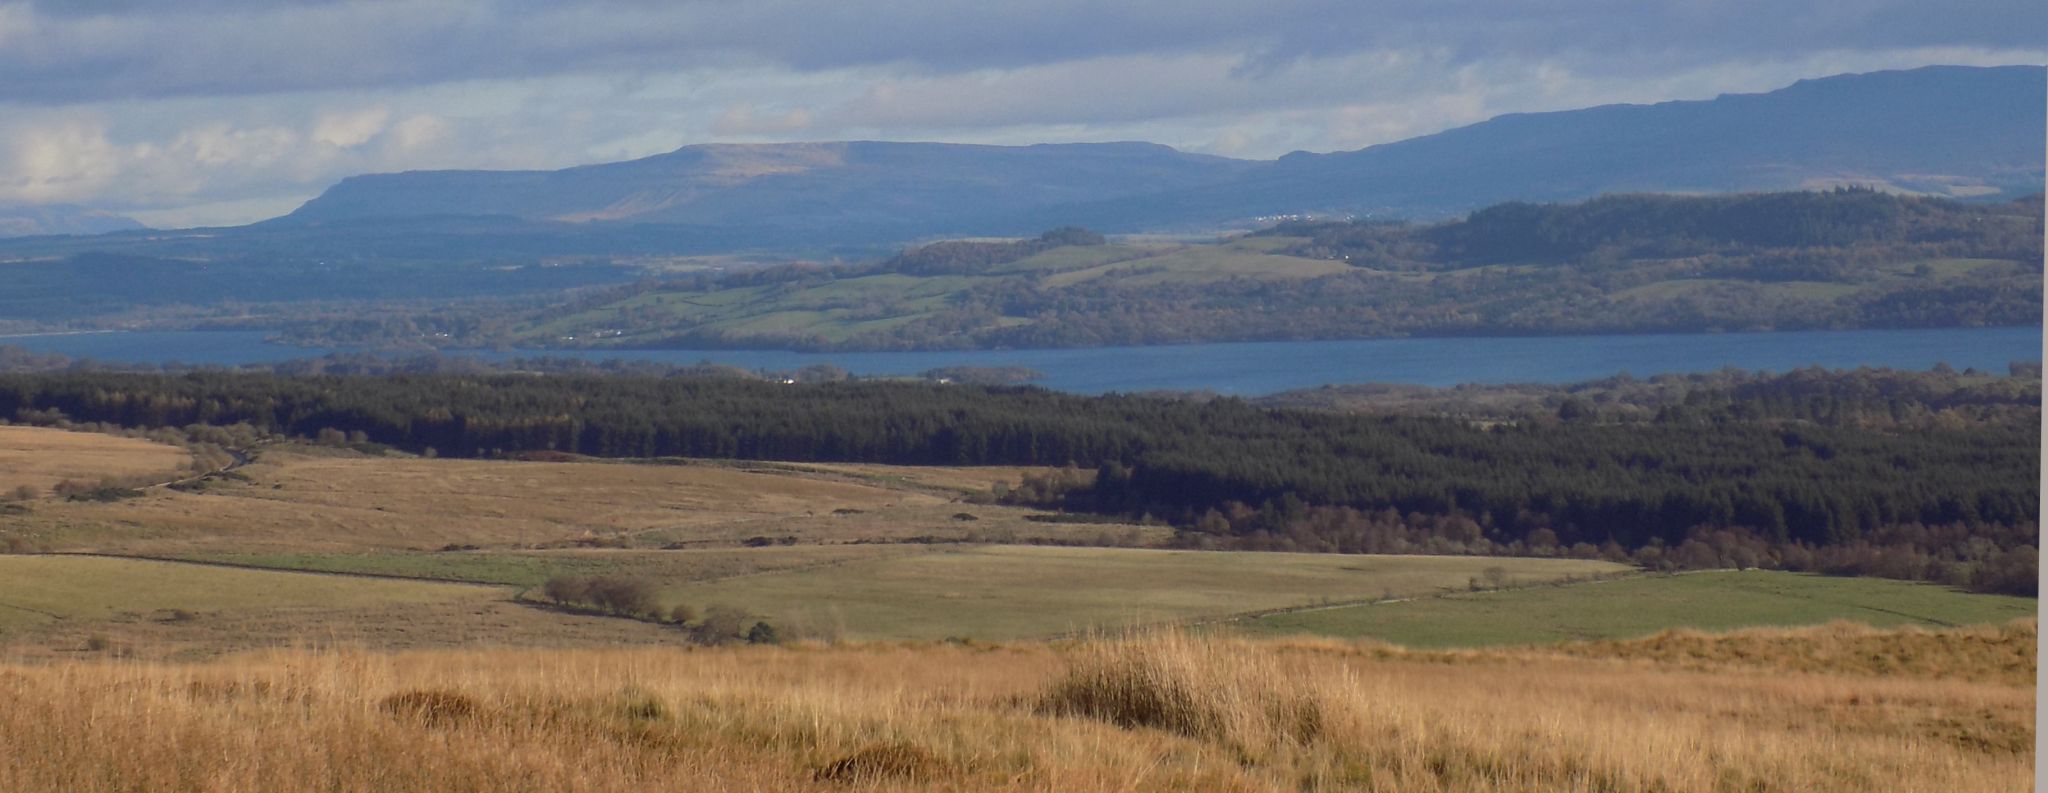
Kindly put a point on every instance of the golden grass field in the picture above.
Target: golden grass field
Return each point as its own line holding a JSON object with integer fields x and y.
{"x": 41, "y": 458}
{"x": 1154, "y": 713}
{"x": 309, "y": 499}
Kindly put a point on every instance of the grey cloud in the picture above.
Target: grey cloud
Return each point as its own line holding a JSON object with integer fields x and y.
{"x": 64, "y": 52}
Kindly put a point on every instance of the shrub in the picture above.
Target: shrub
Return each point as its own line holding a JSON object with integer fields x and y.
{"x": 624, "y": 597}
{"x": 763, "y": 633}
{"x": 25, "y": 493}
{"x": 682, "y": 614}
{"x": 566, "y": 590}
{"x": 721, "y": 625}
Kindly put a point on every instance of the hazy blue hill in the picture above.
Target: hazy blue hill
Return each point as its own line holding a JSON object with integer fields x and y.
{"x": 1933, "y": 129}
{"x": 27, "y": 221}
{"x": 853, "y": 188}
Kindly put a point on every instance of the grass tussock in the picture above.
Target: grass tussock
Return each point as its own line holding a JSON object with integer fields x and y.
{"x": 884, "y": 762}
{"x": 1201, "y": 688}
{"x": 1168, "y": 712}
{"x": 433, "y": 708}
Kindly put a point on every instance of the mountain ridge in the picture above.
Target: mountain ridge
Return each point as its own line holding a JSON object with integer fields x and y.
{"x": 1950, "y": 130}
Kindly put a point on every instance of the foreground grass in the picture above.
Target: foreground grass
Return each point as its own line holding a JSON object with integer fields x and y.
{"x": 1161, "y": 713}
{"x": 1644, "y": 605}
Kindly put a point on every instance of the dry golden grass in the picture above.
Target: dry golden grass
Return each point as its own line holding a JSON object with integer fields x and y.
{"x": 302, "y": 500}
{"x": 1155, "y": 713}
{"x": 1996, "y": 653}
{"x": 40, "y": 458}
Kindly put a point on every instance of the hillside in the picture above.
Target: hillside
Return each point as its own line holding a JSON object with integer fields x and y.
{"x": 834, "y": 192}
{"x": 1941, "y": 130}
{"x": 1619, "y": 264}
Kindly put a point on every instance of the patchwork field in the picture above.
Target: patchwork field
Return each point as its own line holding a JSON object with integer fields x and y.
{"x": 40, "y": 458}
{"x": 1713, "y": 601}
{"x": 1160, "y": 713}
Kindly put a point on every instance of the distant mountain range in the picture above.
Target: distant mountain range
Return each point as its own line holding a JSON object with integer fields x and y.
{"x": 1948, "y": 130}
{"x": 27, "y": 220}
{"x": 1956, "y": 131}
{"x": 1944, "y": 130}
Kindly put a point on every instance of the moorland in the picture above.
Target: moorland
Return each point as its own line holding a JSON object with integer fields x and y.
{"x": 901, "y": 586}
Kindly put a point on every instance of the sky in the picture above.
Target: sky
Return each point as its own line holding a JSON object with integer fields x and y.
{"x": 214, "y": 112}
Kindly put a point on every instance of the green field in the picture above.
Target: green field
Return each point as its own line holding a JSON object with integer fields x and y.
{"x": 533, "y": 568}
{"x": 36, "y": 590}
{"x": 1010, "y": 592}
{"x": 1643, "y": 605}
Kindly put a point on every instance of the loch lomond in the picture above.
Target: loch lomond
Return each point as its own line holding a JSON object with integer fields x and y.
{"x": 1240, "y": 368}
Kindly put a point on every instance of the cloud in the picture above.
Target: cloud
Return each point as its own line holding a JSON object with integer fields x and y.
{"x": 744, "y": 120}
{"x": 68, "y": 160}
{"x": 206, "y": 108}
{"x": 348, "y": 130}
{"x": 65, "y": 51}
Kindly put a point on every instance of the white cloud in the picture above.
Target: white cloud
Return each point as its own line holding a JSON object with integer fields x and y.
{"x": 67, "y": 160}
{"x": 348, "y": 130}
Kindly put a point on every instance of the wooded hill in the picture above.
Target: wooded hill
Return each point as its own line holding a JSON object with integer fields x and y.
{"x": 1847, "y": 258}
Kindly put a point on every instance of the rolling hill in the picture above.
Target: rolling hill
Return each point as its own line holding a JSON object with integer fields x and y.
{"x": 1847, "y": 258}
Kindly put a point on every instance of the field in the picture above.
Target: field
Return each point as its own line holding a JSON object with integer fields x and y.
{"x": 1158, "y": 713}
{"x": 61, "y": 605}
{"x": 40, "y": 458}
{"x": 309, "y": 500}
{"x": 1004, "y": 592}
{"x": 526, "y": 569}
{"x": 1713, "y": 601}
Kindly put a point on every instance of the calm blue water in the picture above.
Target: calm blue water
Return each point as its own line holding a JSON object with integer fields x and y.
{"x": 1249, "y": 368}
